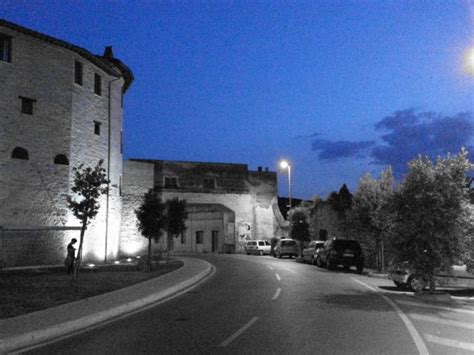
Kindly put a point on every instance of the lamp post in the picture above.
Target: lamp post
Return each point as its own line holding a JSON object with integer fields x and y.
{"x": 284, "y": 164}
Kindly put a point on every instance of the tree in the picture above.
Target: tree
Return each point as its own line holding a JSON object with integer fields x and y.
{"x": 432, "y": 215}
{"x": 89, "y": 184}
{"x": 341, "y": 202}
{"x": 371, "y": 216}
{"x": 151, "y": 219}
{"x": 299, "y": 227}
{"x": 176, "y": 217}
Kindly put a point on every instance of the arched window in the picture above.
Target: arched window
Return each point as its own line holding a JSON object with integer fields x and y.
{"x": 20, "y": 153}
{"x": 61, "y": 159}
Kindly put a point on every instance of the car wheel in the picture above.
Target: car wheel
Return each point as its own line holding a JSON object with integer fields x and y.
{"x": 360, "y": 268}
{"x": 330, "y": 265}
{"x": 416, "y": 283}
{"x": 248, "y": 253}
{"x": 313, "y": 260}
{"x": 279, "y": 255}
{"x": 319, "y": 262}
{"x": 260, "y": 252}
{"x": 399, "y": 284}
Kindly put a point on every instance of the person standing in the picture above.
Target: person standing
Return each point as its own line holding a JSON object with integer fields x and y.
{"x": 71, "y": 256}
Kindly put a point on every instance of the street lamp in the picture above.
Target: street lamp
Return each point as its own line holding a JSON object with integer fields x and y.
{"x": 285, "y": 165}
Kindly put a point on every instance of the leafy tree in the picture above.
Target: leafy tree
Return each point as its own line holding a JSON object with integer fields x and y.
{"x": 432, "y": 215}
{"x": 299, "y": 227}
{"x": 341, "y": 202}
{"x": 371, "y": 216}
{"x": 176, "y": 218}
{"x": 151, "y": 219}
{"x": 89, "y": 184}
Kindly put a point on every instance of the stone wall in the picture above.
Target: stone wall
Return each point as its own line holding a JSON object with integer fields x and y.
{"x": 248, "y": 198}
{"x": 33, "y": 192}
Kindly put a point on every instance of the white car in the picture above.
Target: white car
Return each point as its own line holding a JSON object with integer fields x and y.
{"x": 460, "y": 276}
{"x": 309, "y": 253}
{"x": 259, "y": 247}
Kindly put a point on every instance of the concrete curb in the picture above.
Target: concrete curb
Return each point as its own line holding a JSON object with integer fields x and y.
{"x": 39, "y": 327}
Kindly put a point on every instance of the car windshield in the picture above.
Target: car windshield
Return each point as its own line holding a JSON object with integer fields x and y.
{"x": 346, "y": 244}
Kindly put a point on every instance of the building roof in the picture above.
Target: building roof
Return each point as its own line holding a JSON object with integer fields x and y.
{"x": 111, "y": 66}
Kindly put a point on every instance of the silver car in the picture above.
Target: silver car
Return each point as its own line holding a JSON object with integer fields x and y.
{"x": 309, "y": 253}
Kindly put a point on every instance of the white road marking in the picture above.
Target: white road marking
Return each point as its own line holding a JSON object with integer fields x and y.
{"x": 278, "y": 277}
{"x": 423, "y": 305}
{"x": 238, "y": 332}
{"x": 269, "y": 267}
{"x": 450, "y": 342}
{"x": 436, "y": 320}
{"x": 276, "y": 294}
{"x": 420, "y": 345}
{"x": 289, "y": 270}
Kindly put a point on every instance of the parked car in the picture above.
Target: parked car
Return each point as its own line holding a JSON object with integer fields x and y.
{"x": 259, "y": 247}
{"x": 309, "y": 253}
{"x": 459, "y": 276}
{"x": 343, "y": 252}
{"x": 286, "y": 247}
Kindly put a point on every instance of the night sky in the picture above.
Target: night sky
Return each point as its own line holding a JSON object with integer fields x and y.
{"x": 340, "y": 88}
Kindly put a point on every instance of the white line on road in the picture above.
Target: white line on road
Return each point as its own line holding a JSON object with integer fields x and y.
{"x": 238, "y": 332}
{"x": 276, "y": 294}
{"x": 289, "y": 270}
{"x": 269, "y": 267}
{"x": 420, "y": 345}
{"x": 436, "y": 320}
{"x": 450, "y": 342}
{"x": 422, "y": 305}
{"x": 278, "y": 277}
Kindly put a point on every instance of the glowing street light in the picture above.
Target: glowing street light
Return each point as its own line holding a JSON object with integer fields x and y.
{"x": 284, "y": 164}
{"x": 469, "y": 61}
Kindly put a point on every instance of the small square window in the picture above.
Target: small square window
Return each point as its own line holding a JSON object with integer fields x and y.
{"x": 98, "y": 84}
{"x": 209, "y": 183}
{"x": 27, "y": 105}
{"x": 199, "y": 237}
{"x": 78, "y": 73}
{"x": 97, "y": 128}
{"x": 171, "y": 182}
{"x": 5, "y": 48}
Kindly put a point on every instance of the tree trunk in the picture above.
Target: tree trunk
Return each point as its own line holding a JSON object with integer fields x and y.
{"x": 149, "y": 254}
{"x": 79, "y": 251}
{"x": 432, "y": 284}
{"x": 168, "y": 245}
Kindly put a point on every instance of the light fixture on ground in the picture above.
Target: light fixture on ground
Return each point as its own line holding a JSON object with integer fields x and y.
{"x": 284, "y": 164}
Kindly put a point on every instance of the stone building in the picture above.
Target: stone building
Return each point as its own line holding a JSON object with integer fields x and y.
{"x": 227, "y": 204}
{"x": 60, "y": 106}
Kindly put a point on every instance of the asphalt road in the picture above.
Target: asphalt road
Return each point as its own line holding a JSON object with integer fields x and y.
{"x": 262, "y": 305}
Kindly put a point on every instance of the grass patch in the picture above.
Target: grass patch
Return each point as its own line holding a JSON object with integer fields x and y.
{"x": 30, "y": 290}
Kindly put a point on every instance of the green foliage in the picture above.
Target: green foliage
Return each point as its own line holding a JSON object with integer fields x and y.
{"x": 299, "y": 227}
{"x": 151, "y": 219}
{"x": 432, "y": 214}
{"x": 176, "y": 218}
{"x": 341, "y": 202}
{"x": 371, "y": 217}
{"x": 89, "y": 184}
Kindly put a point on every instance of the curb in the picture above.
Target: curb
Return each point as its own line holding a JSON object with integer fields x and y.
{"x": 64, "y": 328}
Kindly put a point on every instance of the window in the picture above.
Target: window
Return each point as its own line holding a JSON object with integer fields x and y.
{"x": 78, "y": 73}
{"x": 209, "y": 183}
{"x": 20, "y": 153}
{"x": 171, "y": 182}
{"x": 5, "y": 48}
{"x": 97, "y": 128}
{"x": 98, "y": 84}
{"x": 199, "y": 237}
{"x": 26, "y": 105}
{"x": 61, "y": 159}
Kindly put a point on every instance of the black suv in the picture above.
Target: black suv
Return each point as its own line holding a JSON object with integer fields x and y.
{"x": 341, "y": 252}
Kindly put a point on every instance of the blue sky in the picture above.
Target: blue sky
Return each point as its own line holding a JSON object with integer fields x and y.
{"x": 340, "y": 88}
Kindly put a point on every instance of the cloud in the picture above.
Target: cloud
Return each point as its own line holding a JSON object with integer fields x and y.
{"x": 410, "y": 134}
{"x": 340, "y": 149}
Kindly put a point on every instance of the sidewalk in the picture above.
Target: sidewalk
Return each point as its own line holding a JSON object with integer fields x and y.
{"x": 38, "y": 327}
